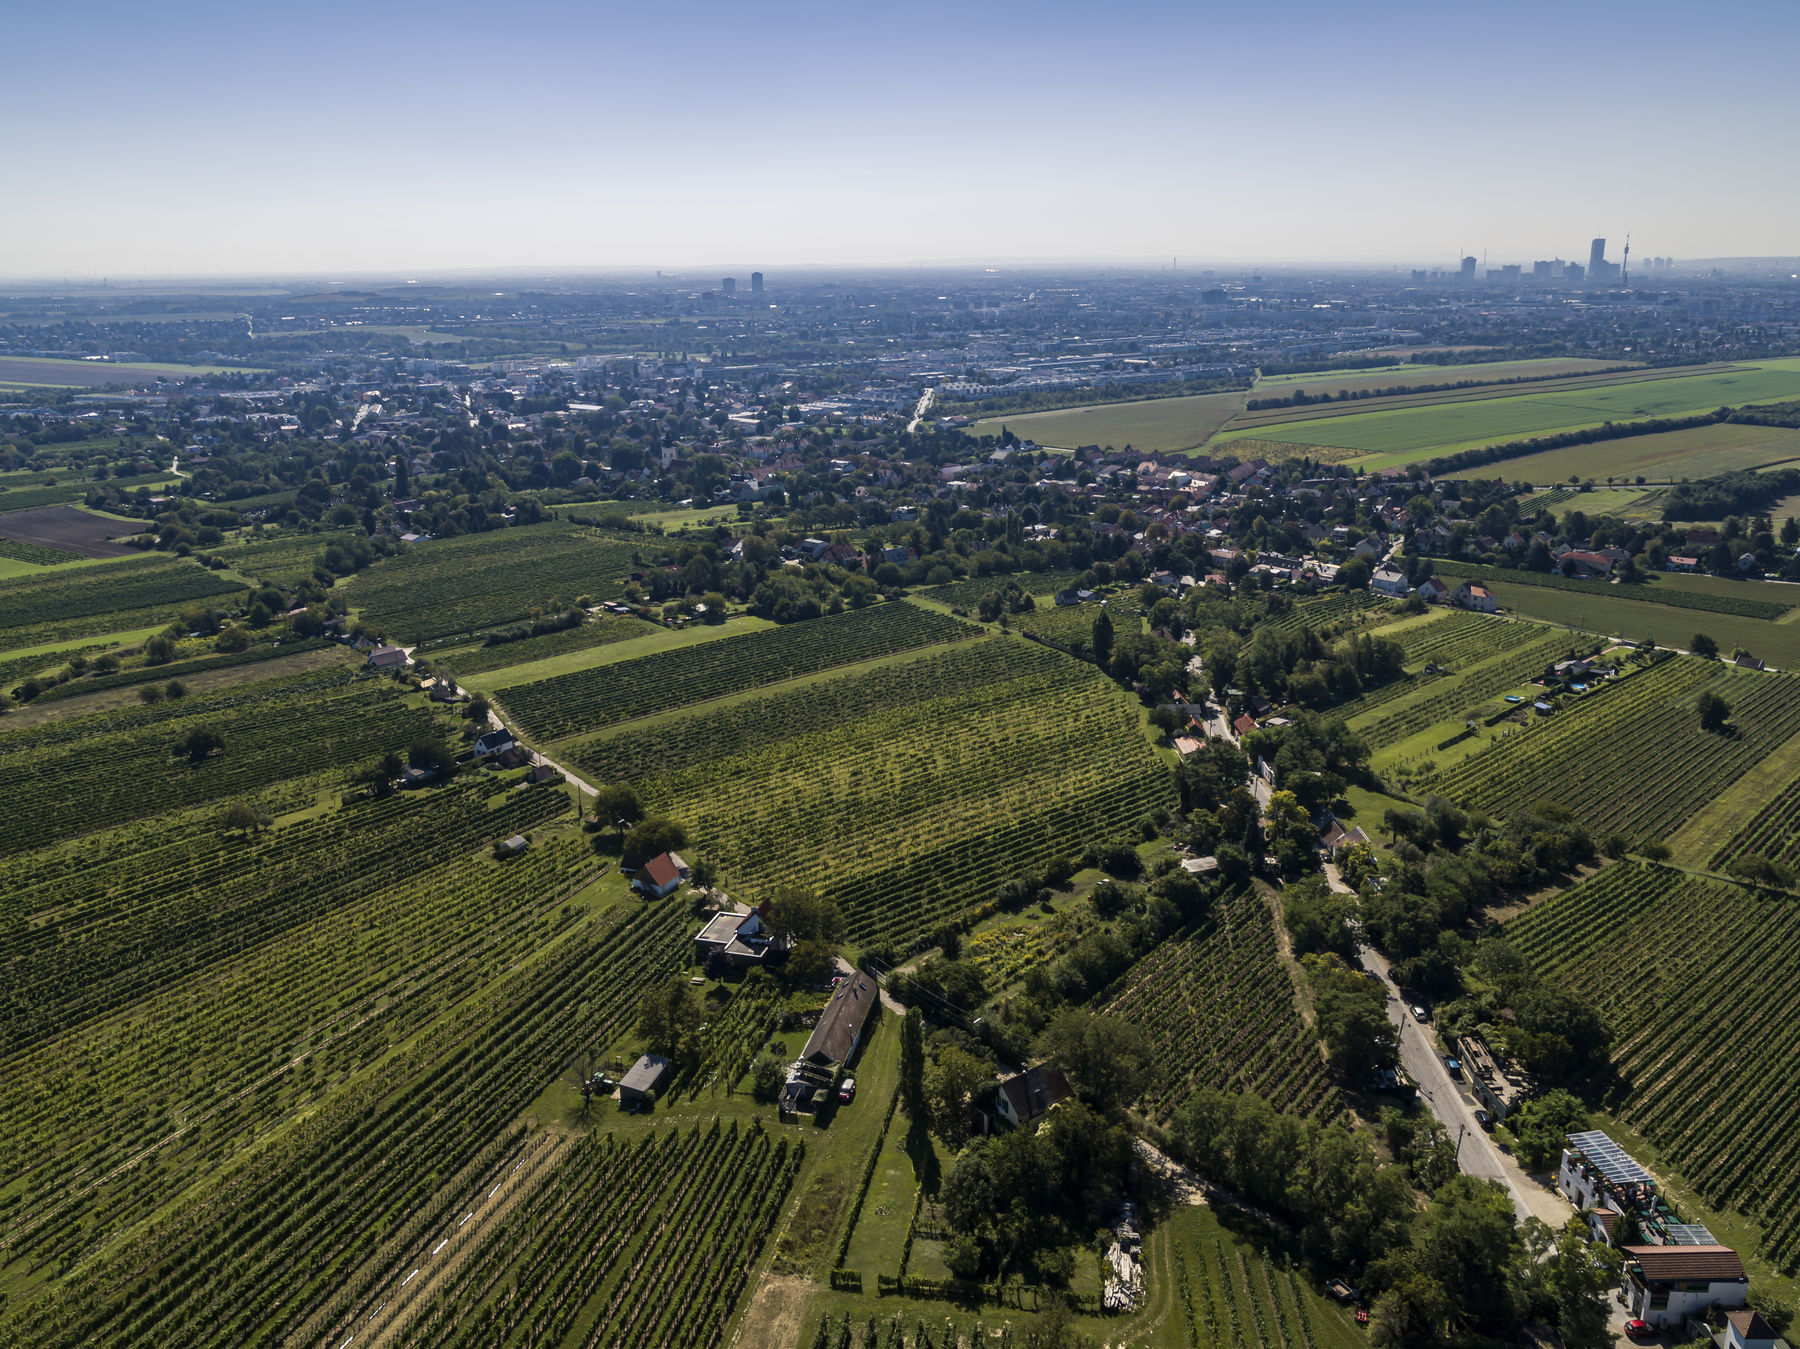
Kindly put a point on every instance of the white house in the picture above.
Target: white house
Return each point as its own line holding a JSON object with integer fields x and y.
{"x": 1468, "y": 595}
{"x": 1664, "y": 1285}
{"x": 1390, "y": 581}
{"x": 1746, "y": 1329}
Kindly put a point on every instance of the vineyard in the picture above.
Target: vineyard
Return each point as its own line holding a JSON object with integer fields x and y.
{"x": 1698, "y": 979}
{"x": 1772, "y": 832}
{"x": 1219, "y": 1009}
{"x": 480, "y": 581}
{"x": 36, "y": 553}
{"x": 283, "y": 559}
{"x": 908, "y": 792}
{"x": 411, "y": 1086}
{"x": 647, "y": 1242}
{"x": 1071, "y": 625}
{"x": 589, "y": 699}
{"x": 1453, "y": 697}
{"x": 64, "y": 603}
{"x": 1231, "y": 1294}
{"x": 971, "y": 591}
{"x": 1456, "y": 638}
{"x": 1741, "y": 605}
{"x": 123, "y": 764}
{"x": 1630, "y": 757}
{"x": 1341, "y": 607}
{"x": 475, "y": 659}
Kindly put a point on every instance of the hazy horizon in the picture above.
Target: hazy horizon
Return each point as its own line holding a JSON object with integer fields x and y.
{"x": 215, "y": 142}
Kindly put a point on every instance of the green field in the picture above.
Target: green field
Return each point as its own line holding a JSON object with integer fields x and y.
{"x": 1665, "y": 953}
{"x": 1692, "y": 452}
{"x": 909, "y": 789}
{"x": 1415, "y": 373}
{"x": 28, "y": 372}
{"x": 1400, "y": 436}
{"x": 1633, "y": 620}
{"x": 1168, "y": 424}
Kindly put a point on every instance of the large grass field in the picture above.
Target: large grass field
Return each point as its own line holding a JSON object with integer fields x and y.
{"x": 1167, "y": 424}
{"x": 1692, "y": 452}
{"x": 1400, "y": 436}
{"x": 1422, "y": 372}
{"x": 47, "y": 372}
{"x": 1634, "y": 620}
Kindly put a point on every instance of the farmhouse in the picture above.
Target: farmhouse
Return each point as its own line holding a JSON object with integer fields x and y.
{"x": 1244, "y": 725}
{"x": 1390, "y": 581}
{"x": 1468, "y": 595}
{"x": 1664, "y": 1285}
{"x": 492, "y": 743}
{"x": 1433, "y": 591}
{"x": 388, "y": 658}
{"x": 1603, "y": 1180}
{"x": 661, "y": 875}
{"x": 646, "y": 1076}
{"x": 840, "y": 1028}
{"x": 1334, "y": 838}
{"x": 737, "y": 940}
{"x": 1025, "y": 1096}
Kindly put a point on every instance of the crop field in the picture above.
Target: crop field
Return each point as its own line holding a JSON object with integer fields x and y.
{"x": 589, "y": 699}
{"x": 1398, "y": 436}
{"x": 1340, "y": 607}
{"x": 1716, "y": 1002}
{"x": 279, "y": 559}
{"x": 414, "y": 1080}
{"x": 1385, "y": 721}
{"x": 1691, "y": 452}
{"x": 1219, "y": 1009}
{"x": 65, "y": 530}
{"x": 1071, "y": 624}
{"x": 66, "y": 492}
{"x": 1634, "y": 619}
{"x": 1630, "y": 756}
{"x": 48, "y": 372}
{"x": 118, "y": 763}
{"x": 1421, "y": 372}
{"x": 1742, "y": 598}
{"x": 68, "y": 602}
{"x": 645, "y": 1242}
{"x": 1148, "y": 424}
{"x": 1231, "y": 1293}
{"x": 971, "y": 590}
{"x": 467, "y": 660}
{"x": 479, "y": 581}
{"x": 908, "y": 792}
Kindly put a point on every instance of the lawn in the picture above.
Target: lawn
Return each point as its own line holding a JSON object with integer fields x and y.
{"x": 1151, "y": 424}
{"x": 1692, "y": 452}
{"x": 1399, "y": 436}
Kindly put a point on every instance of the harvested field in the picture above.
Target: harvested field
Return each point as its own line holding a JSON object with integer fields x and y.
{"x": 66, "y": 528}
{"x": 91, "y": 374}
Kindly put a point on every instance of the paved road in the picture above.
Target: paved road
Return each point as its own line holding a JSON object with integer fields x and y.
{"x": 1419, "y": 1056}
{"x": 537, "y": 756}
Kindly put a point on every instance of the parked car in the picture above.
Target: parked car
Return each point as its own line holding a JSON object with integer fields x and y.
{"x": 1454, "y": 1065}
{"x": 1419, "y": 1013}
{"x": 847, "y": 1092}
{"x": 1481, "y": 1118}
{"x": 1639, "y": 1330}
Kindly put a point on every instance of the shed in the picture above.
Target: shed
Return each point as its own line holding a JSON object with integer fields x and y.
{"x": 646, "y": 1075}
{"x": 840, "y": 1028}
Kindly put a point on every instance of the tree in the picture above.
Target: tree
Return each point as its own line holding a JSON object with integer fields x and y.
{"x": 801, "y": 917}
{"x": 478, "y": 710}
{"x": 766, "y": 1076}
{"x": 1704, "y": 646}
{"x": 151, "y": 693}
{"x": 810, "y": 962}
{"x": 1714, "y": 711}
{"x": 614, "y": 802}
{"x": 653, "y": 836}
{"x": 1539, "y": 1127}
{"x": 431, "y": 754}
{"x": 239, "y": 815}
{"x": 1107, "y": 1060}
{"x": 912, "y": 1065}
{"x": 668, "y": 1017}
{"x": 200, "y": 743}
{"x": 1103, "y": 638}
{"x": 1353, "y": 1020}
{"x": 952, "y": 1087}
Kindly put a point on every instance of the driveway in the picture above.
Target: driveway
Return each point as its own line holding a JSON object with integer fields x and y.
{"x": 1477, "y": 1155}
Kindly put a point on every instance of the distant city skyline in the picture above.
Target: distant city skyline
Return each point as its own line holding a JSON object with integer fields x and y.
{"x": 214, "y": 140}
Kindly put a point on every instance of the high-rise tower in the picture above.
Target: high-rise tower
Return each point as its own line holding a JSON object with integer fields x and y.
{"x": 756, "y": 283}
{"x": 1596, "y": 260}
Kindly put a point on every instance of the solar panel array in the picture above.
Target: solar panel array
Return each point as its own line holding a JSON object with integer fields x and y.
{"x": 1689, "y": 1234}
{"x": 1613, "y": 1161}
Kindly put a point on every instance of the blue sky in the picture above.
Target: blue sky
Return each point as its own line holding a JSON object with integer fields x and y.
{"x": 191, "y": 138}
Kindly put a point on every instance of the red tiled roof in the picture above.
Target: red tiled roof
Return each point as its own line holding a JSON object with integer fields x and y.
{"x": 1680, "y": 1264}
{"x": 661, "y": 870}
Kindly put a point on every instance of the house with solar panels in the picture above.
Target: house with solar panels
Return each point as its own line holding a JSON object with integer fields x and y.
{"x": 1623, "y": 1202}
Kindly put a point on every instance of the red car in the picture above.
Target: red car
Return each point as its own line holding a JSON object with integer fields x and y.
{"x": 1638, "y": 1330}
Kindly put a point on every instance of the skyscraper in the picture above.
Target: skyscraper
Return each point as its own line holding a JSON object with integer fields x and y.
{"x": 730, "y": 286}
{"x": 1596, "y": 267}
{"x": 1468, "y": 268}
{"x": 756, "y": 283}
